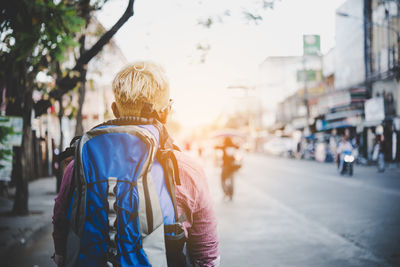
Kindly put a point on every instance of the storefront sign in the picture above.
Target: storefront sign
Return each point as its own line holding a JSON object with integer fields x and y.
{"x": 374, "y": 109}
{"x": 308, "y": 75}
{"x": 336, "y": 99}
{"x": 14, "y": 139}
{"x": 320, "y": 125}
{"x": 311, "y": 45}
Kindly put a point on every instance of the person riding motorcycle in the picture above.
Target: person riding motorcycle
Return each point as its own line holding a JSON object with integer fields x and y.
{"x": 229, "y": 166}
{"x": 345, "y": 155}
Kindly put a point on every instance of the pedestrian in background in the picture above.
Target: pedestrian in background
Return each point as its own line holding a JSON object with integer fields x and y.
{"x": 333, "y": 143}
{"x": 381, "y": 153}
{"x": 229, "y": 166}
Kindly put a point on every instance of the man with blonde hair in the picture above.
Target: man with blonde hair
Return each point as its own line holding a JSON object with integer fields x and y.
{"x": 139, "y": 84}
{"x": 158, "y": 193}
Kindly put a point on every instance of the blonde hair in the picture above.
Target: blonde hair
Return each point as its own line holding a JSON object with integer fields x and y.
{"x": 139, "y": 83}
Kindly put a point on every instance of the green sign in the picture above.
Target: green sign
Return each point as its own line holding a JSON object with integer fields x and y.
{"x": 306, "y": 75}
{"x": 311, "y": 45}
{"x": 13, "y": 139}
{"x": 16, "y": 123}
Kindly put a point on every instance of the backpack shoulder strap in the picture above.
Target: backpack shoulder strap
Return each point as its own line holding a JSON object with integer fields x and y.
{"x": 168, "y": 147}
{"x": 167, "y": 159}
{"x": 73, "y": 151}
{"x": 69, "y": 151}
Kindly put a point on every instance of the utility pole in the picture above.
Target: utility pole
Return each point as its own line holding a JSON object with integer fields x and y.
{"x": 388, "y": 30}
{"x": 367, "y": 43}
{"x": 305, "y": 94}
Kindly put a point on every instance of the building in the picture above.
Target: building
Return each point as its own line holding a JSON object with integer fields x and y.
{"x": 366, "y": 75}
{"x": 384, "y": 74}
{"x": 292, "y": 81}
{"x": 328, "y": 70}
{"x": 359, "y": 89}
{"x": 343, "y": 107}
{"x": 349, "y": 49}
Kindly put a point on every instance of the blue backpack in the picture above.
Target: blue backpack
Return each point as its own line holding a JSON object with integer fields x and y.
{"x": 123, "y": 208}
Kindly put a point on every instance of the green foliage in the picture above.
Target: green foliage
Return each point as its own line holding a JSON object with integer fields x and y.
{"x": 36, "y": 36}
{"x": 70, "y": 107}
{"x": 252, "y": 17}
{"x": 37, "y": 29}
{"x": 97, "y": 4}
{"x": 251, "y": 11}
{"x": 74, "y": 111}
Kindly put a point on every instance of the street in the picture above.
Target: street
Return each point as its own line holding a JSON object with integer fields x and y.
{"x": 302, "y": 213}
{"x": 295, "y": 213}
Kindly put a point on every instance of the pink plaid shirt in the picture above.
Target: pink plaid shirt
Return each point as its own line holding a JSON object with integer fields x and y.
{"x": 193, "y": 198}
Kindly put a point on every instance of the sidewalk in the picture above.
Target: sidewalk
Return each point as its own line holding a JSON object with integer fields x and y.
{"x": 18, "y": 231}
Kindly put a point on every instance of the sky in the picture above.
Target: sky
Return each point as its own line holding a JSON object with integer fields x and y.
{"x": 168, "y": 32}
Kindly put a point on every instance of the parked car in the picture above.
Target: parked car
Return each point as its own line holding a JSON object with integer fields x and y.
{"x": 279, "y": 146}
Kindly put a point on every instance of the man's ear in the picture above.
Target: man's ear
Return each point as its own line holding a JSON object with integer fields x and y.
{"x": 115, "y": 109}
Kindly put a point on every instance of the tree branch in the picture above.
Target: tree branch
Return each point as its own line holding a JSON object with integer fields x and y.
{"x": 68, "y": 83}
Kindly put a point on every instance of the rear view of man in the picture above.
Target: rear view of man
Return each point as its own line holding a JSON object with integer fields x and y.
{"x": 130, "y": 198}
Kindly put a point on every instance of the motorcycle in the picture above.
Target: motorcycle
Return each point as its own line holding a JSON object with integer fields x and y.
{"x": 346, "y": 163}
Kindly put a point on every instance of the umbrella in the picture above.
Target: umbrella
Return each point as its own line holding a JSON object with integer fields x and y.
{"x": 232, "y": 133}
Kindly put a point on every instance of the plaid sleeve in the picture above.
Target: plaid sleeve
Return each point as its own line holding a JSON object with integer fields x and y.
{"x": 193, "y": 197}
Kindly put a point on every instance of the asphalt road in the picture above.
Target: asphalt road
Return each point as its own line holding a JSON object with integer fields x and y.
{"x": 302, "y": 213}
{"x": 294, "y": 213}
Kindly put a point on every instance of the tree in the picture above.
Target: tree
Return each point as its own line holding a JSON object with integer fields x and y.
{"x": 70, "y": 80}
{"x": 34, "y": 33}
{"x": 35, "y": 36}
{"x": 76, "y": 76}
{"x": 85, "y": 11}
